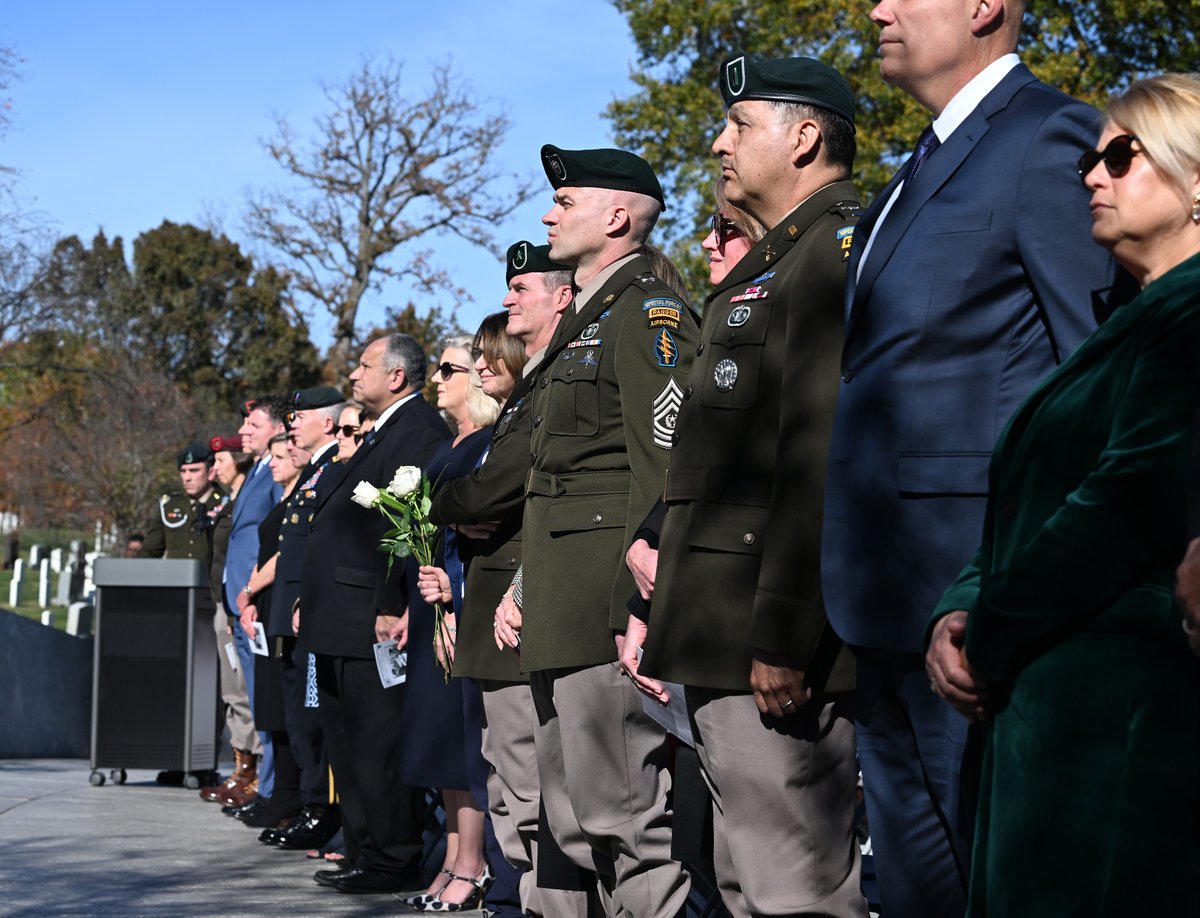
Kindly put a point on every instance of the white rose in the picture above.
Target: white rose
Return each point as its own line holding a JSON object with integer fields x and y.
{"x": 365, "y": 494}
{"x": 406, "y": 480}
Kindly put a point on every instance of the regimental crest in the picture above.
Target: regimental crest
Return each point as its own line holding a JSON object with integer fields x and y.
{"x": 521, "y": 256}
{"x": 735, "y": 75}
{"x": 557, "y": 167}
{"x": 666, "y": 413}
{"x": 665, "y": 348}
{"x": 591, "y": 331}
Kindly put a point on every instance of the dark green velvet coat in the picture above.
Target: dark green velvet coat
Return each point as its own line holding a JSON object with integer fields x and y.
{"x": 1089, "y": 797}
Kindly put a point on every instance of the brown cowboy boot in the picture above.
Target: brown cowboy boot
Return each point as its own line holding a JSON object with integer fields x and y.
{"x": 243, "y": 772}
{"x": 240, "y": 796}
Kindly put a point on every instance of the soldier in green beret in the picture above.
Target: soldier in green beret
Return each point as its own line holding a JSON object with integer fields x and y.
{"x": 603, "y": 416}
{"x": 179, "y": 526}
{"x": 539, "y": 294}
{"x": 730, "y": 561}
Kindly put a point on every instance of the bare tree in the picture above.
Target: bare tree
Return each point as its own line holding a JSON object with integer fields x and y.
{"x": 384, "y": 172}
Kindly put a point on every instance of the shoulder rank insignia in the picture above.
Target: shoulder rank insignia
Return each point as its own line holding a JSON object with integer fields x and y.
{"x": 665, "y": 349}
{"x": 666, "y": 412}
{"x": 664, "y": 312}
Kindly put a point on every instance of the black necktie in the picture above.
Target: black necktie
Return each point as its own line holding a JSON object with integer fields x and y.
{"x": 926, "y": 144}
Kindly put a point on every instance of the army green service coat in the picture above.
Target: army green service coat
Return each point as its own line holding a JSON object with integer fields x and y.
{"x": 179, "y": 527}
{"x": 604, "y": 408}
{"x": 739, "y": 553}
{"x": 493, "y": 491}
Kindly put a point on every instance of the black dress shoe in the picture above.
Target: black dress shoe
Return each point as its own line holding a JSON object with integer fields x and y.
{"x": 375, "y": 881}
{"x": 329, "y": 877}
{"x": 255, "y": 807}
{"x": 270, "y": 836}
{"x": 311, "y": 829}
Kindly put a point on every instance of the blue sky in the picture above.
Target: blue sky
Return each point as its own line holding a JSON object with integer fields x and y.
{"x": 130, "y": 113}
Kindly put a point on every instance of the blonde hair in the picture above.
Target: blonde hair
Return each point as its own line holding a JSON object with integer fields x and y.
{"x": 1164, "y": 113}
{"x": 483, "y": 410}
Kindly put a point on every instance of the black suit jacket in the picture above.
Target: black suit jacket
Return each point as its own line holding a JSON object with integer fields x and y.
{"x": 343, "y": 586}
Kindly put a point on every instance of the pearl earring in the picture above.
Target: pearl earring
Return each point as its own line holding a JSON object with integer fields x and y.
{"x": 1196, "y": 208}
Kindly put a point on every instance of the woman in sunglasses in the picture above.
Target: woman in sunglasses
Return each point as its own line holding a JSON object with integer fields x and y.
{"x": 435, "y": 755}
{"x": 733, "y": 234}
{"x": 1062, "y": 636}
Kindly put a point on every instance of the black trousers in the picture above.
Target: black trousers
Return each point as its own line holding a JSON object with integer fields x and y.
{"x": 381, "y": 818}
{"x": 306, "y": 736}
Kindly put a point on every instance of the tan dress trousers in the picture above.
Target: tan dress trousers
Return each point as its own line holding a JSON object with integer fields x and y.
{"x": 603, "y": 767}
{"x": 783, "y": 805}
{"x": 514, "y": 795}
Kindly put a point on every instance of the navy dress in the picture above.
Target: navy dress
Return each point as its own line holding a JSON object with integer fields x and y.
{"x": 434, "y": 753}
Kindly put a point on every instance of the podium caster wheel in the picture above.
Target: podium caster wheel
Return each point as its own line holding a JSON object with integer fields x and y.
{"x": 191, "y": 782}
{"x": 96, "y": 779}
{"x": 117, "y": 776}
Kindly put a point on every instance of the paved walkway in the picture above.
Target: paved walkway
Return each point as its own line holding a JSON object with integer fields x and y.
{"x": 138, "y": 849}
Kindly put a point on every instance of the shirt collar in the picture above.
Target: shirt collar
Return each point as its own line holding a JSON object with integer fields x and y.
{"x": 967, "y": 99}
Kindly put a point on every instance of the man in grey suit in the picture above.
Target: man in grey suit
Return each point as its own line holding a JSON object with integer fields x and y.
{"x": 971, "y": 277}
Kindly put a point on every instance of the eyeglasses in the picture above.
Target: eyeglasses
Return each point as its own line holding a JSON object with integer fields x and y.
{"x": 348, "y": 430}
{"x": 1117, "y": 157}
{"x": 476, "y": 353}
{"x": 724, "y": 228}
{"x": 448, "y": 369}
{"x": 290, "y": 418}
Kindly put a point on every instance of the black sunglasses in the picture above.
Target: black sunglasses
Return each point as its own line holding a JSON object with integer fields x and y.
{"x": 448, "y": 369}
{"x": 725, "y": 228}
{"x": 348, "y": 430}
{"x": 1117, "y": 157}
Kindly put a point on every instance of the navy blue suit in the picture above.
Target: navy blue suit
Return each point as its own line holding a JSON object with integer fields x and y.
{"x": 982, "y": 278}
{"x": 258, "y": 495}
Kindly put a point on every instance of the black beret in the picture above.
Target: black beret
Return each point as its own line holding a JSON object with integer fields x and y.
{"x": 526, "y": 258}
{"x": 316, "y": 397}
{"x": 194, "y": 452}
{"x": 789, "y": 79}
{"x": 616, "y": 169}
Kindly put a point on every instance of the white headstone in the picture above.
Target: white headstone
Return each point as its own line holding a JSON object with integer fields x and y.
{"x": 44, "y": 583}
{"x": 62, "y": 595}
{"x": 56, "y": 559}
{"x": 18, "y": 580}
{"x": 47, "y": 616}
{"x": 35, "y": 555}
{"x": 80, "y": 616}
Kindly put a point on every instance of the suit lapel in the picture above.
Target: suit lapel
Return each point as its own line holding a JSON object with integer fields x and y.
{"x": 366, "y": 450}
{"x": 936, "y": 172}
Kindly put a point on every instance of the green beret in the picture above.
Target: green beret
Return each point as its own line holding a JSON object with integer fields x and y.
{"x": 616, "y": 169}
{"x": 194, "y": 452}
{"x": 316, "y": 397}
{"x": 526, "y": 258}
{"x": 789, "y": 79}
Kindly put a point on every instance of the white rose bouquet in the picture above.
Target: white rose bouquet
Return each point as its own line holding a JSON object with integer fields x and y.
{"x": 405, "y": 503}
